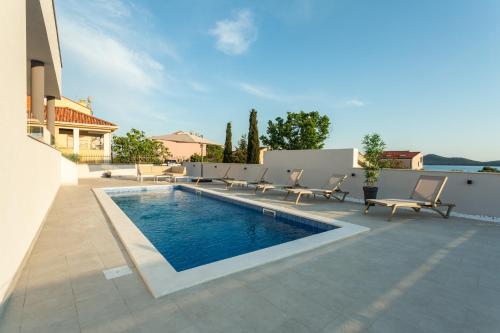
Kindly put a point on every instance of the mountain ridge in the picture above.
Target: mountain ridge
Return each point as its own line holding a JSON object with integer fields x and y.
{"x": 433, "y": 159}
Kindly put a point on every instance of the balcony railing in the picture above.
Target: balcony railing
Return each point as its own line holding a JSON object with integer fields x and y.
{"x": 100, "y": 158}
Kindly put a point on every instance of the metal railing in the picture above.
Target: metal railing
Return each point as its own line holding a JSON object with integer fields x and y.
{"x": 99, "y": 158}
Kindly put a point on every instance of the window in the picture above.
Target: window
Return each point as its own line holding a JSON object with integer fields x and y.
{"x": 35, "y": 132}
{"x": 91, "y": 140}
{"x": 65, "y": 139}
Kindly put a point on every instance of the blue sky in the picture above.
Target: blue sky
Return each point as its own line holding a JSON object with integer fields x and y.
{"x": 423, "y": 74}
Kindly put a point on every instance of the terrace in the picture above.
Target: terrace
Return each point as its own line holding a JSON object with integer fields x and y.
{"x": 419, "y": 274}
{"x": 60, "y": 252}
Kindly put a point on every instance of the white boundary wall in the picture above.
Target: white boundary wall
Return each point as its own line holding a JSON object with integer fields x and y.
{"x": 97, "y": 170}
{"x": 477, "y": 200}
{"x": 69, "y": 172}
{"x": 30, "y": 170}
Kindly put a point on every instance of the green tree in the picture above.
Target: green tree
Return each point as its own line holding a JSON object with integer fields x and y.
{"x": 489, "y": 169}
{"x": 253, "y": 151}
{"x": 228, "y": 145}
{"x": 214, "y": 153}
{"x": 373, "y": 147}
{"x": 134, "y": 147}
{"x": 300, "y": 130}
{"x": 240, "y": 154}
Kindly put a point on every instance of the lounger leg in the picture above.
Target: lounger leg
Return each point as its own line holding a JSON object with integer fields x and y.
{"x": 448, "y": 211}
{"x": 286, "y": 195}
{"x": 393, "y": 211}
{"x": 197, "y": 181}
{"x": 298, "y": 198}
{"x": 367, "y": 207}
{"x": 341, "y": 199}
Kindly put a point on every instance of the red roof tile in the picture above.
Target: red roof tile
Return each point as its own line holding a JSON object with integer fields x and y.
{"x": 399, "y": 154}
{"x": 67, "y": 115}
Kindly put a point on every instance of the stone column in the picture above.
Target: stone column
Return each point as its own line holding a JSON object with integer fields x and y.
{"x": 107, "y": 146}
{"x": 76, "y": 141}
{"x": 37, "y": 89}
{"x": 51, "y": 114}
{"x": 46, "y": 135}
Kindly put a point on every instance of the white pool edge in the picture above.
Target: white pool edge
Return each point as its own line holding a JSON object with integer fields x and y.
{"x": 162, "y": 279}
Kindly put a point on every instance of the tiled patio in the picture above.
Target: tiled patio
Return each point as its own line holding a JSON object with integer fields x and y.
{"x": 419, "y": 273}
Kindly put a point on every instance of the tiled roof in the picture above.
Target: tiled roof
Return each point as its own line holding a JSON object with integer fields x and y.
{"x": 67, "y": 115}
{"x": 400, "y": 154}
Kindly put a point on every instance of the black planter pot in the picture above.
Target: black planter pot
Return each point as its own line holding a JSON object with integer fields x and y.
{"x": 370, "y": 192}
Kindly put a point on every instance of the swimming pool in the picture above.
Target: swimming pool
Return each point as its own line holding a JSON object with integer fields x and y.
{"x": 191, "y": 230}
{"x": 179, "y": 236}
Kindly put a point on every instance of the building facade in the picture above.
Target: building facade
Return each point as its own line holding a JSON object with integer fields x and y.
{"x": 404, "y": 159}
{"x": 31, "y": 170}
{"x": 78, "y": 134}
{"x": 182, "y": 145}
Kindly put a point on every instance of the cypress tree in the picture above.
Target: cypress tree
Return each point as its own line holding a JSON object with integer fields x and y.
{"x": 253, "y": 153}
{"x": 228, "y": 145}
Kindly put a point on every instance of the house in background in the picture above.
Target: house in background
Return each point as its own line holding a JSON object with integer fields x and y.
{"x": 77, "y": 132}
{"x": 182, "y": 145}
{"x": 405, "y": 159}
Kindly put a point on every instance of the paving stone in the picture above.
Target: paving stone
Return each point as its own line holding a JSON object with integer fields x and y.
{"x": 417, "y": 274}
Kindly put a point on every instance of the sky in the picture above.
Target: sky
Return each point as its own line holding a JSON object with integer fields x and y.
{"x": 424, "y": 74}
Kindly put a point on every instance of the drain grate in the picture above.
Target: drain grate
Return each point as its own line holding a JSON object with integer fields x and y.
{"x": 116, "y": 272}
{"x": 269, "y": 212}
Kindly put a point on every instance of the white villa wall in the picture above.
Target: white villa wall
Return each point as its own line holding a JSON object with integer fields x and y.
{"x": 30, "y": 170}
{"x": 479, "y": 199}
{"x": 69, "y": 172}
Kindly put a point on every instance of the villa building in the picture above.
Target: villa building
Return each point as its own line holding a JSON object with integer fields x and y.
{"x": 413, "y": 160}
{"x": 97, "y": 248}
{"x": 77, "y": 132}
{"x": 31, "y": 170}
{"x": 182, "y": 145}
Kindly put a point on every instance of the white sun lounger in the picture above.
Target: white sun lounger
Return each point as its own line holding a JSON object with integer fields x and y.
{"x": 223, "y": 178}
{"x": 331, "y": 190}
{"x": 241, "y": 182}
{"x": 293, "y": 181}
{"x": 425, "y": 194}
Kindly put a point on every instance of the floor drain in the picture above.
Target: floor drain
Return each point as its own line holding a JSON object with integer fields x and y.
{"x": 116, "y": 272}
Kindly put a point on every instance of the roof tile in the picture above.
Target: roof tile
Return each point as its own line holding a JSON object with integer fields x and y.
{"x": 67, "y": 115}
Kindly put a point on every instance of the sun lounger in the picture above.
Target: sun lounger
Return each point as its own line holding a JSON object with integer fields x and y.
{"x": 241, "y": 182}
{"x": 331, "y": 190}
{"x": 425, "y": 194}
{"x": 293, "y": 181}
{"x": 157, "y": 172}
{"x": 226, "y": 176}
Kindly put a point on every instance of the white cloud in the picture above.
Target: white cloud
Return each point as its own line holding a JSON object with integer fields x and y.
{"x": 198, "y": 87}
{"x": 261, "y": 92}
{"x": 112, "y": 7}
{"x": 108, "y": 58}
{"x": 355, "y": 103}
{"x": 235, "y": 36}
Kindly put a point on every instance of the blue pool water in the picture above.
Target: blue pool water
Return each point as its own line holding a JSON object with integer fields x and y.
{"x": 191, "y": 230}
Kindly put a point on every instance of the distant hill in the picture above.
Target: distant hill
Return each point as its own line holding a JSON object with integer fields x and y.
{"x": 432, "y": 159}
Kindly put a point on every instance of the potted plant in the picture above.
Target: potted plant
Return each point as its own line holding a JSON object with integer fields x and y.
{"x": 373, "y": 147}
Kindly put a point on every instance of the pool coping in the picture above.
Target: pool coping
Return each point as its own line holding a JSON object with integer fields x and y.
{"x": 162, "y": 279}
